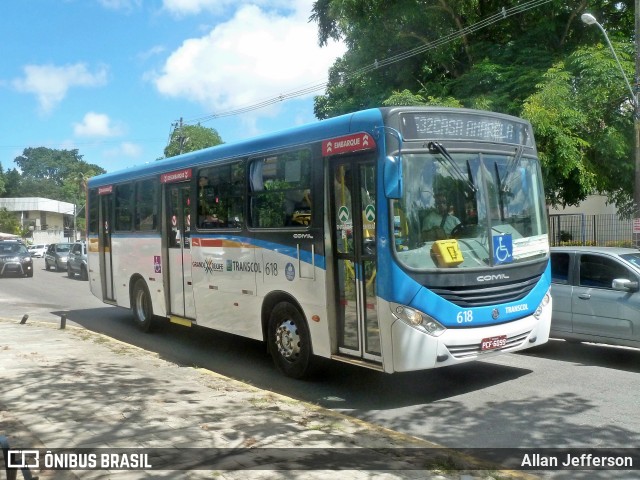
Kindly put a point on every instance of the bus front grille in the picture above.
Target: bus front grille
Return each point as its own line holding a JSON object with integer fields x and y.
{"x": 491, "y": 295}
{"x": 475, "y": 349}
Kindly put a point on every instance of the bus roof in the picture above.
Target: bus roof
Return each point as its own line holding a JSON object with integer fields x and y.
{"x": 362, "y": 121}
{"x": 342, "y": 125}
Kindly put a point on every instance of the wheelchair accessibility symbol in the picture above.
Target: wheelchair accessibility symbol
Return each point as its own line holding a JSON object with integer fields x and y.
{"x": 502, "y": 249}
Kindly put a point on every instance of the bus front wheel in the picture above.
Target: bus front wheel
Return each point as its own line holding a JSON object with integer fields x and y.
{"x": 289, "y": 340}
{"x": 141, "y": 306}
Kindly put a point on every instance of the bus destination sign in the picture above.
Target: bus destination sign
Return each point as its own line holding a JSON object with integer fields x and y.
{"x": 452, "y": 125}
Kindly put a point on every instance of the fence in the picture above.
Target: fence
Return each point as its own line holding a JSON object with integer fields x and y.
{"x": 605, "y": 230}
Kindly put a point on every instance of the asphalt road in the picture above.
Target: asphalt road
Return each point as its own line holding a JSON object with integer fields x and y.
{"x": 558, "y": 395}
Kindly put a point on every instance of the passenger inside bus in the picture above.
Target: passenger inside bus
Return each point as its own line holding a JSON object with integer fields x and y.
{"x": 297, "y": 205}
{"x": 206, "y": 217}
{"x": 438, "y": 222}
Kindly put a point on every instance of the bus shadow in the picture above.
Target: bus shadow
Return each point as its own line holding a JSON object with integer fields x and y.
{"x": 589, "y": 354}
{"x": 332, "y": 384}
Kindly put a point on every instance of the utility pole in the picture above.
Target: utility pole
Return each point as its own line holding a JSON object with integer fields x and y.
{"x": 636, "y": 132}
{"x": 589, "y": 19}
{"x": 182, "y": 140}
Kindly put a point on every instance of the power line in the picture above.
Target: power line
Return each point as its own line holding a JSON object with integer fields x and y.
{"x": 501, "y": 15}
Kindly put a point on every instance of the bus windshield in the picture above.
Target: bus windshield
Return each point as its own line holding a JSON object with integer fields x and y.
{"x": 488, "y": 206}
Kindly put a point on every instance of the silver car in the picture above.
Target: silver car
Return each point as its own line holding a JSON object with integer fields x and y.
{"x": 56, "y": 256}
{"x": 596, "y": 295}
{"x": 77, "y": 261}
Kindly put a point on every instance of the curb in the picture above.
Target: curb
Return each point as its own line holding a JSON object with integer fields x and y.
{"x": 464, "y": 461}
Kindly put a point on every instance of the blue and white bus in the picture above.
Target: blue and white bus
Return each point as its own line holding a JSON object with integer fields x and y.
{"x": 398, "y": 239}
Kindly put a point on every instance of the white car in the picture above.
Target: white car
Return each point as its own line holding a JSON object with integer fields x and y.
{"x": 38, "y": 250}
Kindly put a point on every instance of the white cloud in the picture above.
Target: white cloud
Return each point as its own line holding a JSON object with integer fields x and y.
{"x": 125, "y": 149}
{"x": 189, "y": 7}
{"x": 96, "y": 125}
{"x": 255, "y": 56}
{"x": 50, "y": 83}
{"x": 194, "y": 7}
{"x": 126, "y": 5}
{"x": 151, "y": 52}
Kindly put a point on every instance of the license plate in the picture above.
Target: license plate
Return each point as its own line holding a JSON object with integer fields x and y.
{"x": 492, "y": 343}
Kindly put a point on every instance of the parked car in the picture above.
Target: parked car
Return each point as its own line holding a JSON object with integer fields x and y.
{"x": 38, "y": 250}
{"x": 77, "y": 261}
{"x": 596, "y": 295}
{"x": 56, "y": 256}
{"x": 15, "y": 258}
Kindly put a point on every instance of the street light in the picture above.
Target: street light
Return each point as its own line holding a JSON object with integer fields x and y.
{"x": 589, "y": 19}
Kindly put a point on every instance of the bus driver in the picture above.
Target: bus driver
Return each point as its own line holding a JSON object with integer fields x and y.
{"x": 438, "y": 223}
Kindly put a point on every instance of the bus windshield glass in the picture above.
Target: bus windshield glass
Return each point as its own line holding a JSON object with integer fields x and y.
{"x": 486, "y": 208}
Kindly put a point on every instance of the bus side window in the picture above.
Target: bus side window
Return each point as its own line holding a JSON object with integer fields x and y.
{"x": 221, "y": 197}
{"x": 146, "y": 206}
{"x": 280, "y": 187}
{"x": 123, "y": 207}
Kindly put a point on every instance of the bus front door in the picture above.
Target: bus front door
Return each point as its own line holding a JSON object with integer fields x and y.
{"x": 178, "y": 231}
{"x": 353, "y": 217}
{"x": 106, "y": 259}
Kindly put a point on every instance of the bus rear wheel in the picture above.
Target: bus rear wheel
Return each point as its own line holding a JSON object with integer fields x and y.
{"x": 141, "y": 306}
{"x": 289, "y": 340}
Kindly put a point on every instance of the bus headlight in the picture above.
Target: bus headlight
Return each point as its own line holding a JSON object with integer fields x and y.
{"x": 544, "y": 303}
{"x": 418, "y": 320}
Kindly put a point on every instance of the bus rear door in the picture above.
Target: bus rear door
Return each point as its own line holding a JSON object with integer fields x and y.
{"x": 105, "y": 195}
{"x": 178, "y": 242}
{"x": 353, "y": 220}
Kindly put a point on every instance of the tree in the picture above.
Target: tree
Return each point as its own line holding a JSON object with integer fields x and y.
{"x": 539, "y": 63}
{"x": 2, "y": 181}
{"x": 12, "y": 182}
{"x": 189, "y": 138}
{"x": 50, "y": 173}
{"x": 584, "y": 128}
{"x": 8, "y": 222}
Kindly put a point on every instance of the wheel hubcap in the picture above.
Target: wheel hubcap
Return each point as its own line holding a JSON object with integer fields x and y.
{"x": 141, "y": 306}
{"x": 288, "y": 340}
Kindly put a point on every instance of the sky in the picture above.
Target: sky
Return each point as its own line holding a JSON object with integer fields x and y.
{"x": 111, "y": 77}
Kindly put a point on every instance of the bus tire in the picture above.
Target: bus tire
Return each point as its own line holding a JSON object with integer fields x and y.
{"x": 289, "y": 340}
{"x": 141, "y": 306}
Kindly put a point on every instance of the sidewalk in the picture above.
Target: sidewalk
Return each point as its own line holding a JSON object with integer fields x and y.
{"x": 73, "y": 388}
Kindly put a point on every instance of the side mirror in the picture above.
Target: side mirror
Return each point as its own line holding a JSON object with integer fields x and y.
{"x": 624, "y": 285}
{"x": 392, "y": 177}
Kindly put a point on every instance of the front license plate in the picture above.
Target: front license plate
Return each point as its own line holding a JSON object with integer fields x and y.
{"x": 492, "y": 343}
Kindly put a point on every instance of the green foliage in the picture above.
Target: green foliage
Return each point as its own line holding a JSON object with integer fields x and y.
{"x": 12, "y": 181}
{"x": 270, "y": 205}
{"x": 9, "y": 222}
{"x": 49, "y": 173}
{"x": 2, "y": 181}
{"x": 542, "y": 64}
{"x": 404, "y": 98}
{"x": 189, "y": 138}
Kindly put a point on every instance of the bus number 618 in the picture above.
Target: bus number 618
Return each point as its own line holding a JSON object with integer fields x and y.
{"x": 466, "y": 316}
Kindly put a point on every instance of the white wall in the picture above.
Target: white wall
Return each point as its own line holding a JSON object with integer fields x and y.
{"x": 593, "y": 205}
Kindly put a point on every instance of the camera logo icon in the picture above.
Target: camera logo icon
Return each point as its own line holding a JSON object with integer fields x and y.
{"x": 23, "y": 459}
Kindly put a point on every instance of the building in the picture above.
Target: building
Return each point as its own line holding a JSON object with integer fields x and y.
{"x": 48, "y": 221}
{"x": 592, "y": 205}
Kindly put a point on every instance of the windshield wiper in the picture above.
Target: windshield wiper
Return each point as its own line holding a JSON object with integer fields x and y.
{"x": 435, "y": 147}
{"x": 511, "y": 165}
